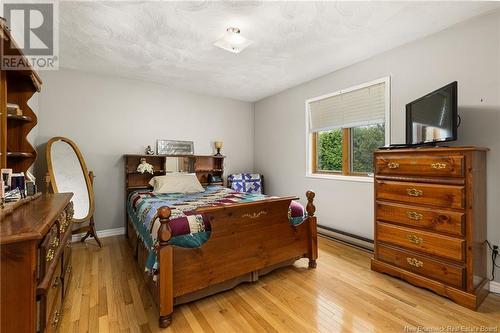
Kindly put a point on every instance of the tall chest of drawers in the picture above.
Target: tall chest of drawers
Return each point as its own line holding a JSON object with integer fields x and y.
{"x": 35, "y": 264}
{"x": 430, "y": 220}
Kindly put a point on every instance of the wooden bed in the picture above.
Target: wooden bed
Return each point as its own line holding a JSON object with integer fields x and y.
{"x": 247, "y": 240}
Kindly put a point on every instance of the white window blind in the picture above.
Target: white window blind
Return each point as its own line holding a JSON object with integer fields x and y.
{"x": 364, "y": 106}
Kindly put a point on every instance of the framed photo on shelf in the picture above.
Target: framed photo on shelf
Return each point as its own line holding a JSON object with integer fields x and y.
{"x": 7, "y": 177}
{"x": 174, "y": 147}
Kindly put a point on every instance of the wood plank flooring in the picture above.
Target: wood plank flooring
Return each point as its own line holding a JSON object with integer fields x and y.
{"x": 107, "y": 294}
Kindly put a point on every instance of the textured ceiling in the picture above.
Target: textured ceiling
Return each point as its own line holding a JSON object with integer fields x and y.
{"x": 172, "y": 42}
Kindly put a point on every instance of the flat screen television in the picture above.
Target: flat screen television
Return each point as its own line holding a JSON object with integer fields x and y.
{"x": 433, "y": 118}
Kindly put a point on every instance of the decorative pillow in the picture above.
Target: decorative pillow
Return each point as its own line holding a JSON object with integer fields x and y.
{"x": 296, "y": 213}
{"x": 176, "y": 183}
{"x": 245, "y": 182}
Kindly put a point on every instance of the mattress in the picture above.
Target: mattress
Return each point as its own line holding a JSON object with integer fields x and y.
{"x": 189, "y": 229}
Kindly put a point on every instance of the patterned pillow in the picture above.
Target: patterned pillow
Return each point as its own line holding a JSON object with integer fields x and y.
{"x": 245, "y": 182}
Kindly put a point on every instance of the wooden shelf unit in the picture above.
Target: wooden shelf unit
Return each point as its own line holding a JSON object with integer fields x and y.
{"x": 202, "y": 165}
{"x": 14, "y": 117}
{"x": 16, "y": 86}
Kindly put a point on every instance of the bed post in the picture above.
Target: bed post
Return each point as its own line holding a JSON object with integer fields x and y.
{"x": 313, "y": 230}
{"x": 165, "y": 260}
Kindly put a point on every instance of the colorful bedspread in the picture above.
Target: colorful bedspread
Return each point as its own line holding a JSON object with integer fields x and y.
{"x": 189, "y": 229}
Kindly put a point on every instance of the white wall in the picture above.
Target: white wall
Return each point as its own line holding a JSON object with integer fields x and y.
{"x": 468, "y": 53}
{"x": 108, "y": 117}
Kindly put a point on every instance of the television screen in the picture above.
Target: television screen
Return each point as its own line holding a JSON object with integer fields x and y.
{"x": 433, "y": 118}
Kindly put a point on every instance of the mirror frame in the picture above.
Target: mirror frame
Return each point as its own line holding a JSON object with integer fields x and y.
{"x": 53, "y": 184}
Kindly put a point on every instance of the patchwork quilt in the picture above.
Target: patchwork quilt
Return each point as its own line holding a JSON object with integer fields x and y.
{"x": 189, "y": 229}
{"x": 245, "y": 182}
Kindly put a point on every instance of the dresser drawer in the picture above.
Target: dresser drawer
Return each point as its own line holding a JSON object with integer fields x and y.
{"x": 54, "y": 316}
{"x": 420, "y": 165}
{"x": 423, "y": 241}
{"x": 444, "y": 221}
{"x": 51, "y": 296}
{"x": 48, "y": 248}
{"x": 54, "y": 292}
{"x": 447, "y": 196}
{"x": 447, "y": 273}
{"x": 67, "y": 268}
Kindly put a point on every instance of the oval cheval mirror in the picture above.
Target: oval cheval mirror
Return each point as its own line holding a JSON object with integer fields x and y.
{"x": 68, "y": 173}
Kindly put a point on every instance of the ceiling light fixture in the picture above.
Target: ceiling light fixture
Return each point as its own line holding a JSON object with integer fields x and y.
{"x": 232, "y": 41}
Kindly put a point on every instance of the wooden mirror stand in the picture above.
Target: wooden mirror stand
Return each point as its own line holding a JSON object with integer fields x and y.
{"x": 90, "y": 228}
{"x": 67, "y": 172}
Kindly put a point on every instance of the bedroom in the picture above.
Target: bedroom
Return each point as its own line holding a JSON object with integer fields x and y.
{"x": 128, "y": 74}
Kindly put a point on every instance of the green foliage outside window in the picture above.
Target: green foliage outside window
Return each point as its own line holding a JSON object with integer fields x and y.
{"x": 330, "y": 150}
{"x": 364, "y": 140}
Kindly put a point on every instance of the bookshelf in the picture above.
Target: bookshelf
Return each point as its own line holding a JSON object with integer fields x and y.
{"x": 16, "y": 87}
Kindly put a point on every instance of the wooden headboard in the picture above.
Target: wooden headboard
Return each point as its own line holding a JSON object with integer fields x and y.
{"x": 202, "y": 165}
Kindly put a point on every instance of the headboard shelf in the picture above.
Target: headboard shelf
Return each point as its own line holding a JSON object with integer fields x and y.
{"x": 202, "y": 165}
{"x": 160, "y": 172}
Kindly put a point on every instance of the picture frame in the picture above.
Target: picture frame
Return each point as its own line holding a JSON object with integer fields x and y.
{"x": 6, "y": 177}
{"x": 174, "y": 147}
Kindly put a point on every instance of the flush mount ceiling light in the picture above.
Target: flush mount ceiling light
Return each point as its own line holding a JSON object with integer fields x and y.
{"x": 232, "y": 41}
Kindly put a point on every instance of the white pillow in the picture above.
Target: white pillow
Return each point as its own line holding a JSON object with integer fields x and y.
{"x": 176, "y": 183}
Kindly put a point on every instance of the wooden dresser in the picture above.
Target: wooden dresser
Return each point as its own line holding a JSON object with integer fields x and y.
{"x": 35, "y": 264}
{"x": 430, "y": 220}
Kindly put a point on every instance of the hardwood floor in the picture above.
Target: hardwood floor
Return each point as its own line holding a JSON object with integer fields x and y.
{"x": 342, "y": 294}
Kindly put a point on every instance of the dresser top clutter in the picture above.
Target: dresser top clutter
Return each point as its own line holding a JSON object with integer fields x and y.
{"x": 32, "y": 220}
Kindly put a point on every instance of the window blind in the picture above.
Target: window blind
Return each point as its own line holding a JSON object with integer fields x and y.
{"x": 364, "y": 106}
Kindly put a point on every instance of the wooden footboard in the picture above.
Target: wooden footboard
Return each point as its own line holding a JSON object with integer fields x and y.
{"x": 247, "y": 239}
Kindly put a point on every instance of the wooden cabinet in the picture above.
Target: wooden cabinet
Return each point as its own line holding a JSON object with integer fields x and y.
{"x": 35, "y": 264}
{"x": 430, "y": 220}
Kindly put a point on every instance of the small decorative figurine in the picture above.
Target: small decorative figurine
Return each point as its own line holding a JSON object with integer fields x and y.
{"x": 149, "y": 151}
{"x": 218, "y": 146}
{"x": 145, "y": 167}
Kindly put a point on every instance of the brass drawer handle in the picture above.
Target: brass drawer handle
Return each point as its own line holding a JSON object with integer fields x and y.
{"x": 393, "y": 165}
{"x": 414, "y": 239}
{"x": 50, "y": 255}
{"x": 68, "y": 269}
{"x": 413, "y": 192}
{"x": 438, "y": 166}
{"x": 63, "y": 226}
{"x": 55, "y": 320}
{"x": 414, "y": 216}
{"x": 54, "y": 243}
{"x": 57, "y": 282}
{"x": 414, "y": 262}
{"x": 68, "y": 244}
{"x": 69, "y": 211}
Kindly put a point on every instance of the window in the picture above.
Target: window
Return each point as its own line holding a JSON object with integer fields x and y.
{"x": 344, "y": 128}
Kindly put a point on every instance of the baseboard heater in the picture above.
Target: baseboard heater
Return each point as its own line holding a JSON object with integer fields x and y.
{"x": 345, "y": 237}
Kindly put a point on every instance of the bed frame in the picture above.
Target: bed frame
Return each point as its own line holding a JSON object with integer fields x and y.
{"x": 247, "y": 240}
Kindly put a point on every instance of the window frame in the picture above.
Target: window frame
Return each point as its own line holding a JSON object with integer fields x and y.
{"x": 312, "y": 137}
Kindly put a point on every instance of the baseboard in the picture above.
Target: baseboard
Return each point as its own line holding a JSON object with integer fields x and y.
{"x": 495, "y": 287}
{"x": 346, "y": 237}
{"x": 101, "y": 234}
